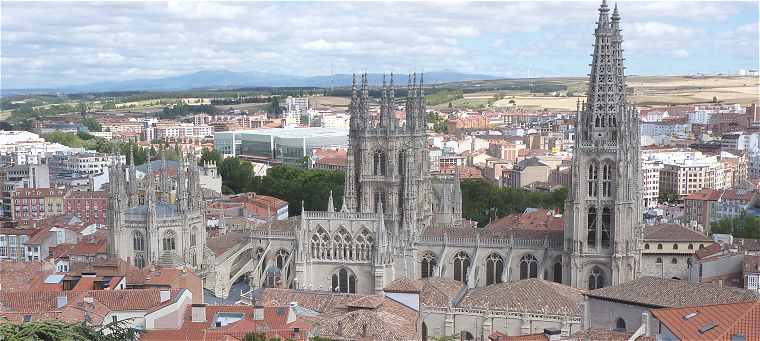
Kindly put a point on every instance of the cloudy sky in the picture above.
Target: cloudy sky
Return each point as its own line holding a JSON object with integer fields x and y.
{"x": 54, "y": 44}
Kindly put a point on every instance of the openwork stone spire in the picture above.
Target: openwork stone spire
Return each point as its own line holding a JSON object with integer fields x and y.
{"x": 606, "y": 89}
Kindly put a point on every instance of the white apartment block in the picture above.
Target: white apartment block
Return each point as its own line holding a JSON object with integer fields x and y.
{"x": 335, "y": 120}
{"x": 686, "y": 172}
{"x": 665, "y": 129}
{"x": 297, "y": 104}
{"x": 89, "y": 163}
{"x": 180, "y": 130}
{"x": 650, "y": 182}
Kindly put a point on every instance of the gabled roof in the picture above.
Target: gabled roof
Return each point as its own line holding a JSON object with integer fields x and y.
{"x": 660, "y": 293}
{"x": 690, "y": 323}
{"x": 528, "y": 295}
{"x": 673, "y": 232}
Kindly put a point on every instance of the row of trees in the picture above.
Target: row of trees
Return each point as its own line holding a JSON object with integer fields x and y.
{"x": 182, "y": 109}
{"x": 744, "y": 226}
{"x": 482, "y": 201}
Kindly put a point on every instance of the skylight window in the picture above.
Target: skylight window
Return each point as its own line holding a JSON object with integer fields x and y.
{"x": 705, "y": 328}
{"x": 690, "y": 315}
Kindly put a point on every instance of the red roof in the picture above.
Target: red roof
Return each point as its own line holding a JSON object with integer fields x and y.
{"x": 713, "y": 322}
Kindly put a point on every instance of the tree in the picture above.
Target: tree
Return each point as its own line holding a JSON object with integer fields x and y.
{"x": 57, "y": 330}
{"x": 92, "y": 124}
{"x": 210, "y": 156}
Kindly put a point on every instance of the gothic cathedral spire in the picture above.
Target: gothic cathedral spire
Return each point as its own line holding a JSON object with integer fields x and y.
{"x": 603, "y": 212}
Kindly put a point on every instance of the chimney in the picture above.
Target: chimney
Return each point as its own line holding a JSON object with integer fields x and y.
{"x": 292, "y": 315}
{"x": 552, "y": 334}
{"x": 199, "y": 312}
{"x": 61, "y": 301}
{"x": 645, "y": 322}
{"x": 258, "y": 313}
{"x": 165, "y": 295}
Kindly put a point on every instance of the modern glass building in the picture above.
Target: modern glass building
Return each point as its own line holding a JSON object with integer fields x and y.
{"x": 285, "y": 145}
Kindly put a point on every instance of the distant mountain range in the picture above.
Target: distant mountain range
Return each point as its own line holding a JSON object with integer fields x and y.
{"x": 216, "y": 79}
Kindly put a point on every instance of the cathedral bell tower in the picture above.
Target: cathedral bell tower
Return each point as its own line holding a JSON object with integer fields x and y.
{"x": 603, "y": 225}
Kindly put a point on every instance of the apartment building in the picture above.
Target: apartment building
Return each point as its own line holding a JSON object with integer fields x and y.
{"x": 650, "y": 182}
{"x": 21, "y": 176}
{"x": 686, "y": 172}
{"x": 32, "y": 204}
{"x": 89, "y": 205}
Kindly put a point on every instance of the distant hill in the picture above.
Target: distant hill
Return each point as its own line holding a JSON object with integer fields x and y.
{"x": 215, "y": 79}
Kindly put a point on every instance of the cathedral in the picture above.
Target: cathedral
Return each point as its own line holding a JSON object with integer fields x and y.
{"x": 157, "y": 220}
{"x": 399, "y": 220}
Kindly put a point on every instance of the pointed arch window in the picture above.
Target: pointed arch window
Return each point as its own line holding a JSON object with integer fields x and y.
{"x": 591, "y": 239}
{"x": 557, "y": 272}
{"x": 193, "y": 233}
{"x": 461, "y": 266}
{"x": 320, "y": 243}
{"x": 528, "y": 267}
{"x": 428, "y": 264}
{"x": 593, "y": 176}
{"x": 139, "y": 260}
{"x": 379, "y": 161}
{"x": 364, "y": 245}
{"x": 607, "y": 180}
{"x": 342, "y": 245}
{"x": 344, "y": 281}
{"x": 494, "y": 269}
{"x": 606, "y": 225}
{"x": 401, "y": 162}
{"x": 169, "y": 241}
{"x": 138, "y": 241}
{"x": 596, "y": 278}
{"x": 281, "y": 258}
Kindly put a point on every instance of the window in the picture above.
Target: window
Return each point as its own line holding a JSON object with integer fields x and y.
{"x": 528, "y": 267}
{"x": 659, "y": 246}
{"x": 342, "y": 245}
{"x": 596, "y": 278}
{"x": 675, "y": 246}
{"x": 620, "y": 325}
{"x": 557, "y": 272}
{"x": 138, "y": 241}
{"x": 169, "y": 241}
{"x": 115, "y": 319}
{"x": 379, "y": 163}
{"x": 192, "y": 236}
{"x": 606, "y": 223}
{"x": 591, "y": 227}
{"x": 646, "y": 246}
{"x": 691, "y": 247}
{"x": 401, "y": 162}
{"x": 344, "y": 281}
{"x": 607, "y": 180}
{"x": 701, "y": 246}
{"x": 494, "y": 269}
{"x": 364, "y": 245}
{"x": 428, "y": 264}
{"x": 659, "y": 260}
{"x": 674, "y": 261}
{"x": 592, "y": 178}
{"x": 461, "y": 265}
{"x": 319, "y": 244}
{"x": 282, "y": 257}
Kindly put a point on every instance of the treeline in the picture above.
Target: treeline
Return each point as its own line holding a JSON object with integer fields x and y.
{"x": 292, "y": 184}
{"x": 87, "y": 141}
{"x": 482, "y": 201}
{"x": 744, "y": 226}
{"x": 27, "y": 112}
{"x": 182, "y": 109}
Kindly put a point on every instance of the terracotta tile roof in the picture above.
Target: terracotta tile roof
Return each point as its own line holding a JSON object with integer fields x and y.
{"x": 319, "y": 301}
{"x": 671, "y": 293}
{"x": 92, "y": 245}
{"x": 705, "y": 194}
{"x": 709, "y": 250}
{"x": 15, "y": 276}
{"x": 529, "y": 295}
{"x": 499, "y": 336}
{"x": 729, "y": 320}
{"x": 603, "y": 335}
{"x": 368, "y": 302}
{"x": 531, "y": 224}
{"x": 439, "y": 292}
{"x": 43, "y": 304}
{"x": 751, "y": 263}
{"x": 404, "y": 285}
{"x": 225, "y": 242}
{"x": 390, "y": 321}
{"x": 673, "y": 232}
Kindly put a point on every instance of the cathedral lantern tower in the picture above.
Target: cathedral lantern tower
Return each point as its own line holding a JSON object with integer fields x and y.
{"x": 603, "y": 226}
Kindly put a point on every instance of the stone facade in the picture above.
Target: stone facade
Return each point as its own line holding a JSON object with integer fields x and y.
{"x": 147, "y": 225}
{"x": 603, "y": 226}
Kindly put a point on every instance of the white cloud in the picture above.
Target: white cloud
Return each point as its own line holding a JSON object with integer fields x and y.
{"x": 656, "y": 29}
{"x": 680, "y": 53}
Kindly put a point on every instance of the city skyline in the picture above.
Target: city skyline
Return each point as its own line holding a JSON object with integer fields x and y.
{"x": 57, "y": 45}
